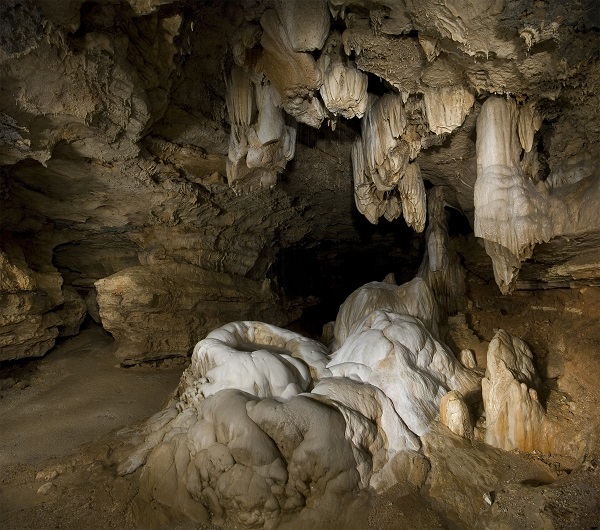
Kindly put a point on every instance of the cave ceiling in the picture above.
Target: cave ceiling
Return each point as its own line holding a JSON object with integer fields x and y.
{"x": 216, "y": 134}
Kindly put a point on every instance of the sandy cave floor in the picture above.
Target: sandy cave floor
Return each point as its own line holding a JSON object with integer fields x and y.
{"x": 56, "y": 423}
{"x": 63, "y": 428}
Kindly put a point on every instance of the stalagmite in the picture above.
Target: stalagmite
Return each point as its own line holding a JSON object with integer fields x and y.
{"x": 447, "y": 107}
{"x": 295, "y": 75}
{"x": 414, "y": 199}
{"x": 515, "y": 418}
{"x": 441, "y": 267}
{"x": 511, "y": 213}
{"x": 454, "y": 414}
{"x": 245, "y": 439}
{"x": 413, "y": 298}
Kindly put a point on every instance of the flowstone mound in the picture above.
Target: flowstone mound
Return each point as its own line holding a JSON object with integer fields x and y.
{"x": 267, "y": 427}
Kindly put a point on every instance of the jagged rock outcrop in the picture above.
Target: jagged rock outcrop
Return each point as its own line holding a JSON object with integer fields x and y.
{"x": 162, "y": 310}
{"x": 36, "y": 308}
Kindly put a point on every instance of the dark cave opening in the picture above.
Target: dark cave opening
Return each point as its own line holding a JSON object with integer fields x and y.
{"x": 326, "y": 273}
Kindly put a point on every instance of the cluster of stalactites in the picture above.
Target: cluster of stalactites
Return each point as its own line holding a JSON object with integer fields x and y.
{"x": 387, "y": 180}
{"x": 260, "y": 143}
{"x": 277, "y": 53}
{"x": 511, "y": 209}
{"x": 285, "y": 75}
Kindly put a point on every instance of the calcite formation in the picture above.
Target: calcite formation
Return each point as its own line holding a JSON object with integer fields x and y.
{"x": 260, "y": 144}
{"x": 511, "y": 213}
{"x": 441, "y": 267}
{"x": 266, "y": 422}
{"x": 515, "y": 418}
{"x": 447, "y": 107}
{"x": 414, "y": 298}
{"x": 344, "y": 89}
{"x": 455, "y": 414}
{"x": 294, "y": 74}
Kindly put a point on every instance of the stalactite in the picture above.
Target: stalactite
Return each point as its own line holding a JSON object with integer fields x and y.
{"x": 447, "y": 107}
{"x": 511, "y": 213}
{"x": 260, "y": 143}
{"x": 529, "y": 122}
{"x": 369, "y": 201}
{"x": 295, "y": 75}
{"x": 441, "y": 267}
{"x": 344, "y": 89}
{"x": 414, "y": 200}
{"x": 382, "y": 127}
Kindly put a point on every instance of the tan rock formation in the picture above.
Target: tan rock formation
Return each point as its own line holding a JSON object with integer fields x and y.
{"x": 515, "y": 418}
{"x": 36, "y": 308}
{"x": 455, "y": 415}
{"x": 441, "y": 267}
{"x": 162, "y": 310}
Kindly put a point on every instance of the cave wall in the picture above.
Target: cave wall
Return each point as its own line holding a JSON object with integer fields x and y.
{"x": 118, "y": 169}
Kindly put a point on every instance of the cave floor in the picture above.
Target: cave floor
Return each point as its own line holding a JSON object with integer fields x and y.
{"x": 65, "y": 424}
{"x": 57, "y": 422}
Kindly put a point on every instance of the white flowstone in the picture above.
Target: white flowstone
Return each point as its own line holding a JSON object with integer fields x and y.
{"x": 397, "y": 354}
{"x": 257, "y": 358}
{"x": 413, "y": 298}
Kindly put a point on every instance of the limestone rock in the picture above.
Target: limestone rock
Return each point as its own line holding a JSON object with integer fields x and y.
{"x": 306, "y": 23}
{"x": 72, "y": 314}
{"x": 162, "y": 310}
{"x": 28, "y": 323}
